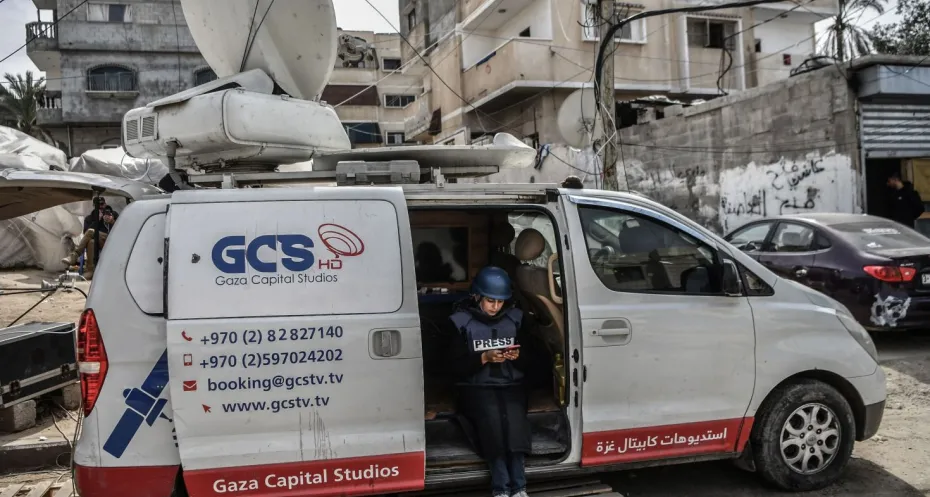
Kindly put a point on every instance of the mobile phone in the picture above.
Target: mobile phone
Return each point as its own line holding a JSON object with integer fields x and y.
{"x": 512, "y": 347}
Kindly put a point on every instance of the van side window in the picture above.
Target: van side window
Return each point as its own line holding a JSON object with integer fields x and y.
{"x": 633, "y": 253}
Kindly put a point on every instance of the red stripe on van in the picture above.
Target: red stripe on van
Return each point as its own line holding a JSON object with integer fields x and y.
{"x": 357, "y": 476}
{"x": 137, "y": 481}
{"x": 664, "y": 442}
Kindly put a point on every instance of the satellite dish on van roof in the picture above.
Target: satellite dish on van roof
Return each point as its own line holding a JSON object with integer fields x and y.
{"x": 579, "y": 122}
{"x": 293, "y": 41}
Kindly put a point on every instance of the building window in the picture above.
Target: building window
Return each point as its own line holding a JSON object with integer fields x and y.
{"x": 363, "y": 133}
{"x": 390, "y": 64}
{"x": 111, "y": 78}
{"x": 632, "y": 32}
{"x": 758, "y": 45}
{"x": 525, "y": 33}
{"x": 395, "y": 138}
{"x": 398, "y": 100}
{"x": 109, "y": 12}
{"x": 412, "y": 20}
{"x": 203, "y": 76}
{"x": 711, "y": 33}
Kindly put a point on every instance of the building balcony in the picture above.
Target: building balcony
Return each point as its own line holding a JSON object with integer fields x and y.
{"x": 46, "y": 4}
{"x": 417, "y": 117}
{"x": 509, "y": 63}
{"x": 42, "y": 46}
{"x": 41, "y": 37}
{"x": 48, "y": 109}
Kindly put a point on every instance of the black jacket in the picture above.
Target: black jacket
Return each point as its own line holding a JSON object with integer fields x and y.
{"x": 906, "y": 205}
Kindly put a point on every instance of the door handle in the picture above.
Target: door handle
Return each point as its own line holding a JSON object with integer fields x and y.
{"x": 385, "y": 343}
{"x": 616, "y": 328}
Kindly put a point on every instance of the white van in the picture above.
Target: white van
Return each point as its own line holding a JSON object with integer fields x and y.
{"x": 288, "y": 341}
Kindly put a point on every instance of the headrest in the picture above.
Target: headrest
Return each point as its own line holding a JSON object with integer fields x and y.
{"x": 789, "y": 239}
{"x": 502, "y": 234}
{"x": 530, "y": 245}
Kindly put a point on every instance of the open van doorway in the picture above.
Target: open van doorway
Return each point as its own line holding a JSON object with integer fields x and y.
{"x": 451, "y": 245}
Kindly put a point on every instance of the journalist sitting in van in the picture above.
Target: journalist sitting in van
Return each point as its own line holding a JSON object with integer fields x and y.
{"x": 487, "y": 361}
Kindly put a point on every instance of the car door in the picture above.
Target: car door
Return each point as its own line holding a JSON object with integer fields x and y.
{"x": 294, "y": 347}
{"x": 790, "y": 252}
{"x": 668, "y": 358}
{"x": 752, "y": 237}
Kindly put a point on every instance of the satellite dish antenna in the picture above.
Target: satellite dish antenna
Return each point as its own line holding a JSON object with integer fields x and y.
{"x": 294, "y": 42}
{"x": 579, "y": 122}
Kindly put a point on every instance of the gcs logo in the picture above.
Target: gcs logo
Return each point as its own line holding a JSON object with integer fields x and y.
{"x": 230, "y": 254}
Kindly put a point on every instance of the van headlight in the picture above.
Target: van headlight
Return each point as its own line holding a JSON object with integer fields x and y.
{"x": 858, "y": 332}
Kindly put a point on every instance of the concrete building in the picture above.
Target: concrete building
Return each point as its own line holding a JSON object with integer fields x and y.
{"x": 102, "y": 59}
{"x": 823, "y": 141}
{"x": 507, "y": 65}
{"x": 370, "y": 91}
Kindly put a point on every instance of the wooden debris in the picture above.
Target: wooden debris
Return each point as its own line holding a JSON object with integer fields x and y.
{"x": 44, "y": 488}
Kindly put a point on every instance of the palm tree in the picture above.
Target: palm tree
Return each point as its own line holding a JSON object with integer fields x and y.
{"x": 844, "y": 38}
{"x": 19, "y": 97}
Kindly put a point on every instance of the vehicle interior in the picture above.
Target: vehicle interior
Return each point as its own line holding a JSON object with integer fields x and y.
{"x": 450, "y": 247}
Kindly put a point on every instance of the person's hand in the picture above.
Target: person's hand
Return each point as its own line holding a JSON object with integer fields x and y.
{"x": 492, "y": 356}
{"x": 512, "y": 355}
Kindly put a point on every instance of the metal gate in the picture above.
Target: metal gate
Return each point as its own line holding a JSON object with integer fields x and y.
{"x": 895, "y": 130}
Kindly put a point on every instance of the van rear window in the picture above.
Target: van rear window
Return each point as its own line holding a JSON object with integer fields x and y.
{"x": 284, "y": 258}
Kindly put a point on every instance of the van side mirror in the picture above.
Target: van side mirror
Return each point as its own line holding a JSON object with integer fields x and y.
{"x": 732, "y": 283}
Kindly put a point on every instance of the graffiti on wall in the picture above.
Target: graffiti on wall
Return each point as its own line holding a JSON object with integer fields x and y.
{"x": 690, "y": 190}
{"x": 816, "y": 183}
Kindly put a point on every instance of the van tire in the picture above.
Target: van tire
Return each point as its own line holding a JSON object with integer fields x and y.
{"x": 795, "y": 401}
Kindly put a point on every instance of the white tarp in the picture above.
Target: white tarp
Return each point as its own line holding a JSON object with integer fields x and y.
{"x": 43, "y": 238}
{"x": 30, "y": 151}
{"x": 115, "y": 162}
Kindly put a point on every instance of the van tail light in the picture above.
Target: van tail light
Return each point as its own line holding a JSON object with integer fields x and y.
{"x": 891, "y": 274}
{"x": 92, "y": 360}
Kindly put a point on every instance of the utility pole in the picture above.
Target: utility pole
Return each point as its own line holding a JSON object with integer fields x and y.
{"x": 607, "y": 101}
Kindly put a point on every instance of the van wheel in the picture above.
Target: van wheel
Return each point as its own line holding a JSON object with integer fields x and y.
{"x": 804, "y": 437}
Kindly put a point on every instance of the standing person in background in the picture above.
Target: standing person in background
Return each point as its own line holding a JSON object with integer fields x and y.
{"x": 905, "y": 205}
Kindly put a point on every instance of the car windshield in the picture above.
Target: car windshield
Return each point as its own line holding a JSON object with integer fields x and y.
{"x": 877, "y": 235}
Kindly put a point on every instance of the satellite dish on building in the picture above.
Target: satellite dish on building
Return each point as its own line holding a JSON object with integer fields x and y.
{"x": 579, "y": 122}
{"x": 293, "y": 41}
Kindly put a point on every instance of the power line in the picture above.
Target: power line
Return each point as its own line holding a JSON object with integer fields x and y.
{"x": 53, "y": 24}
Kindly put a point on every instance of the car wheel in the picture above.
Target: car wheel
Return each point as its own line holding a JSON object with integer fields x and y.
{"x": 804, "y": 437}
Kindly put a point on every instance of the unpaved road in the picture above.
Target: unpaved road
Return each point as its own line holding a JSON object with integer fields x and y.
{"x": 894, "y": 463}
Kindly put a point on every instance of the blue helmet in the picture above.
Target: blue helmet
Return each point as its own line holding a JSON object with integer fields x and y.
{"x": 493, "y": 283}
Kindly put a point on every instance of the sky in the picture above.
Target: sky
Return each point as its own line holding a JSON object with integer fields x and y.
{"x": 350, "y": 15}
{"x": 15, "y": 14}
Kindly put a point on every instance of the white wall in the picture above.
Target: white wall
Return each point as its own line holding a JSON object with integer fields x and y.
{"x": 791, "y": 35}
{"x": 818, "y": 183}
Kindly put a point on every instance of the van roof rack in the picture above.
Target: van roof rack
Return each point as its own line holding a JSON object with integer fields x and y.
{"x": 347, "y": 173}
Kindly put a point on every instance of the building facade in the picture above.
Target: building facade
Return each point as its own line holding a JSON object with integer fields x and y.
{"x": 103, "y": 59}
{"x": 507, "y": 65}
{"x": 369, "y": 89}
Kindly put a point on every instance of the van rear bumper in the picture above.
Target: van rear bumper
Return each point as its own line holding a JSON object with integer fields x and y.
{"x": 138, "y": 481}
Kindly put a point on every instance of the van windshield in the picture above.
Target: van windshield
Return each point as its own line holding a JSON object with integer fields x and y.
{"x": 878, "y": 235}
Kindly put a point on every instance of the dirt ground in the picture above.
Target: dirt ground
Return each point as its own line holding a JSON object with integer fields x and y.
{"x": 896, "y": 462}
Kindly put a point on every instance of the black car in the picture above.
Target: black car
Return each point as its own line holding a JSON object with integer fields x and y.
{"x": 876, "y": 267}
